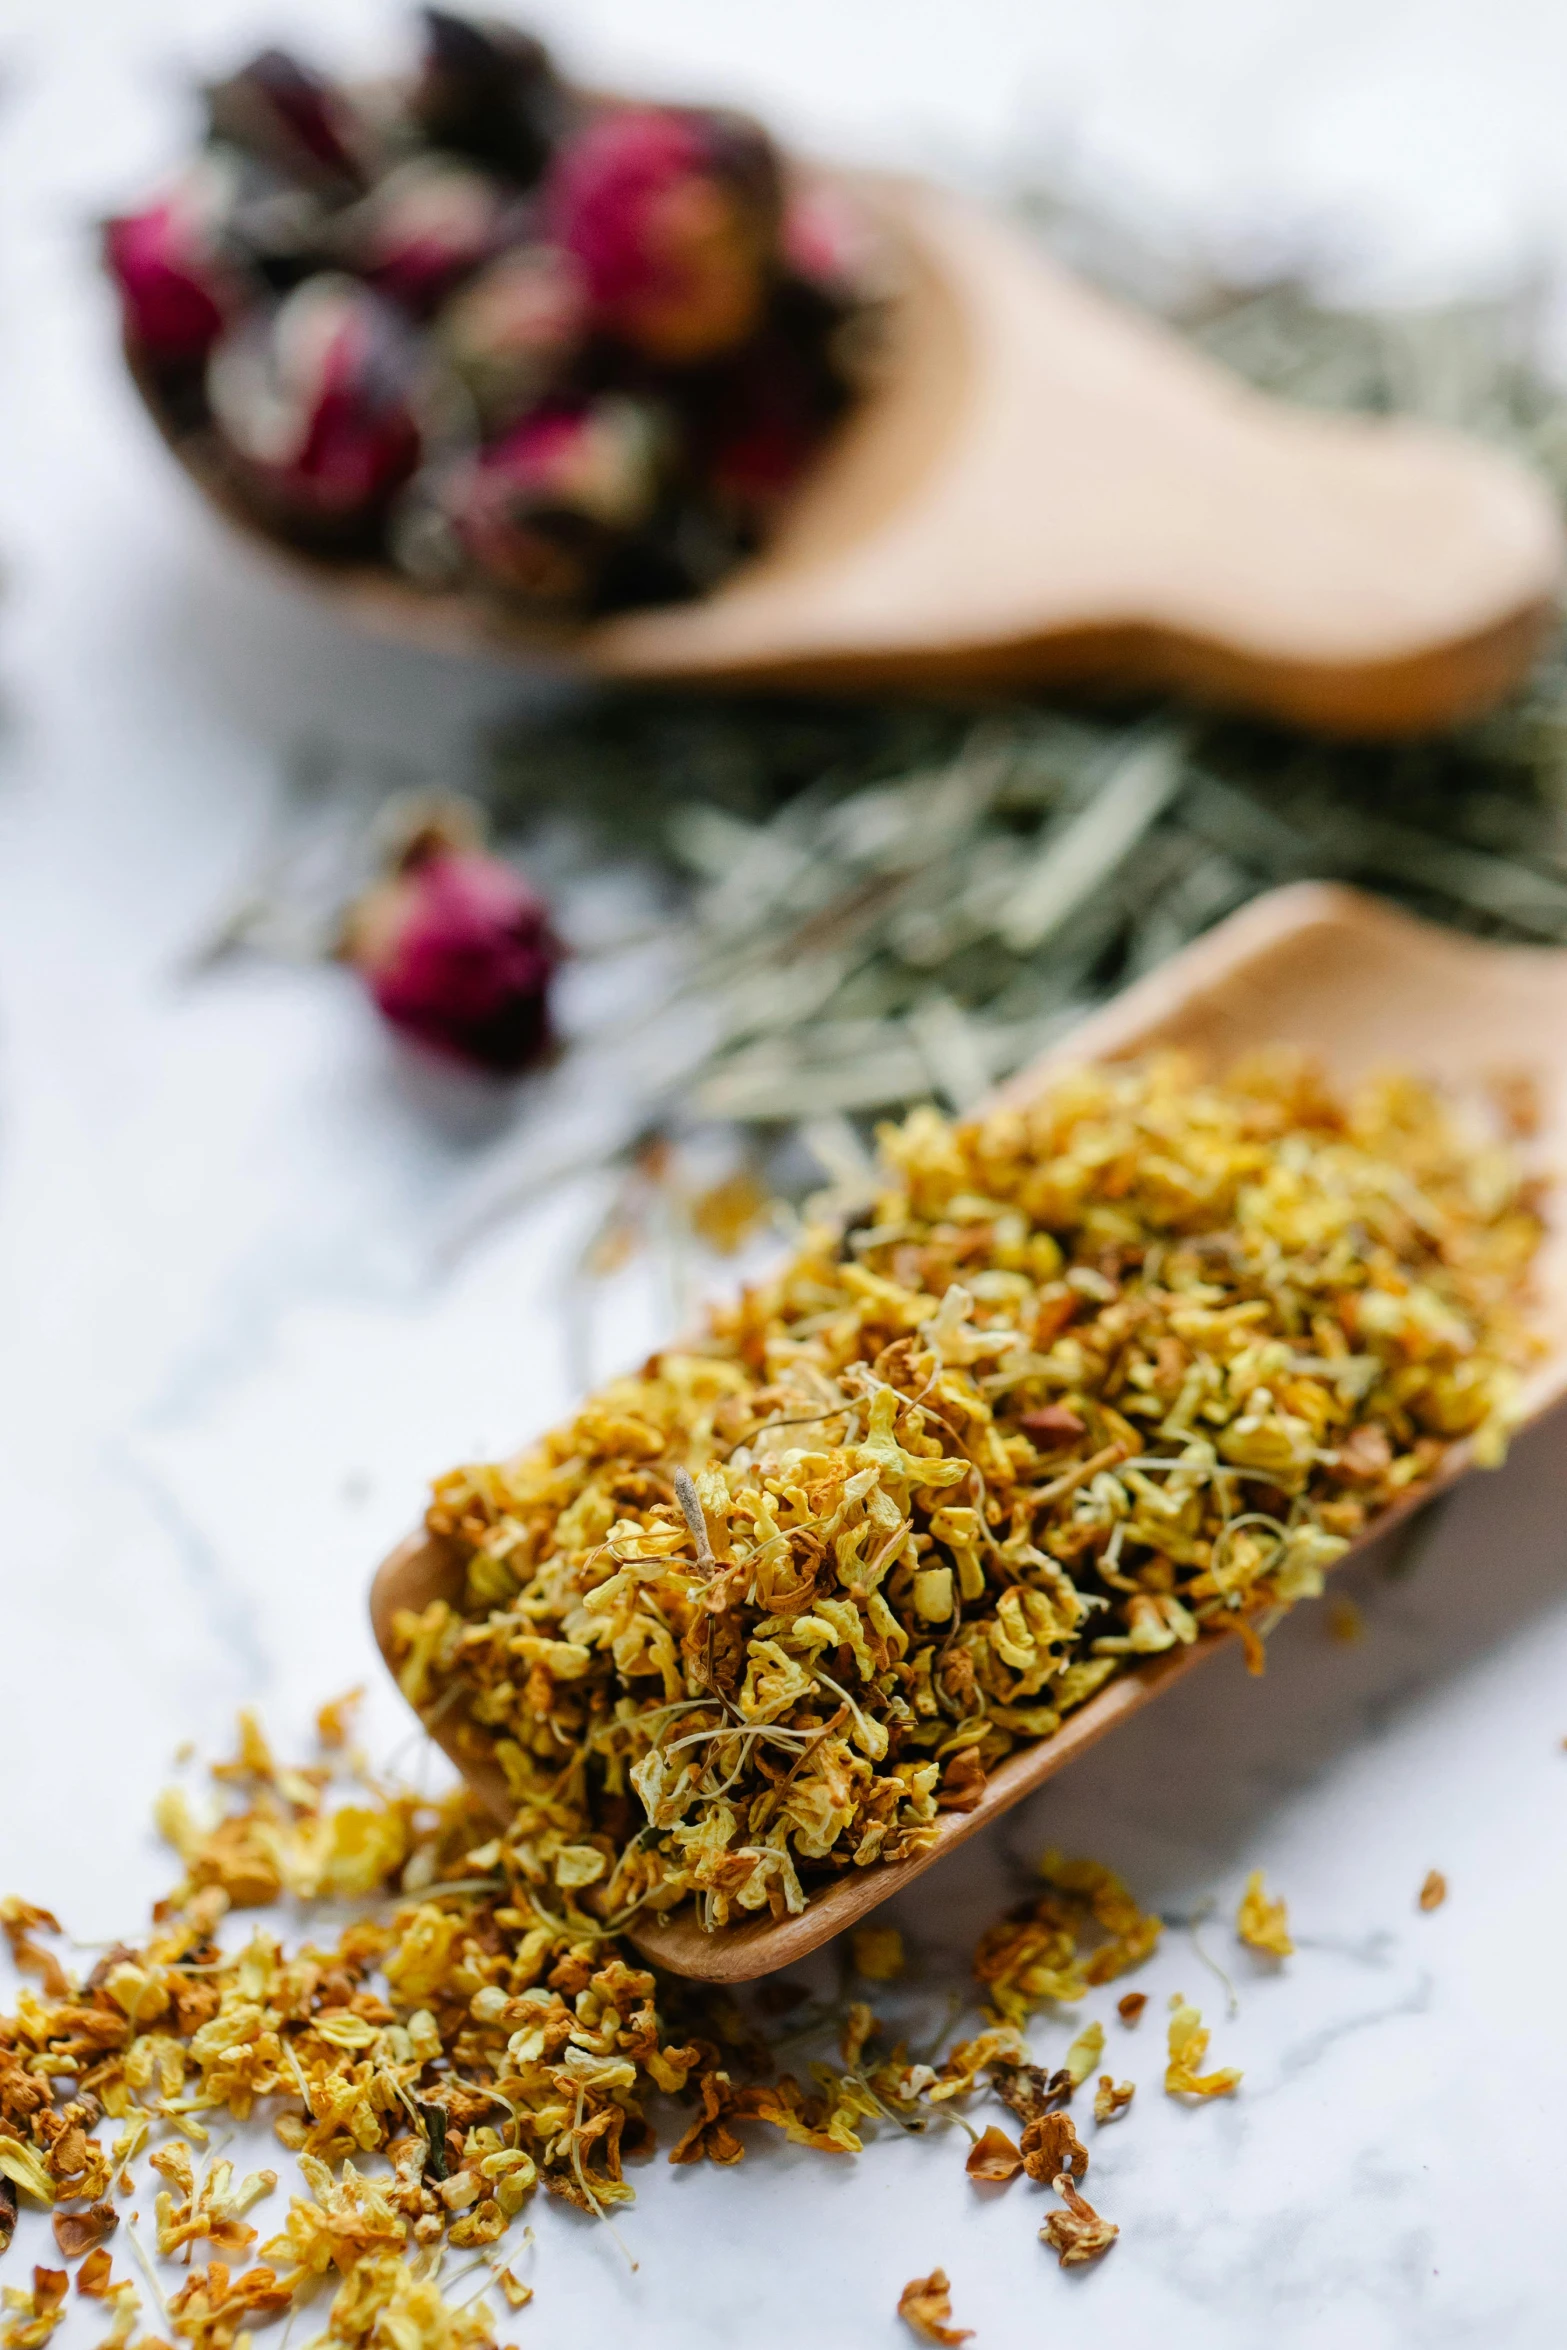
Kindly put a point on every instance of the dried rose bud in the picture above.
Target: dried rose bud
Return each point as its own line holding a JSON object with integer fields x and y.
{"x": 458, "y": 953}
{"x": 510, "y": 332}
{"x": 540, "y": 512}
{"x": 489, "y": 91}
{"x": 673, "y": 216}
{"x": 178, "y": 290}
{"x": 280, "y": 111}
{"x": 316, "y": 402}
{"x": 424, "y": 226}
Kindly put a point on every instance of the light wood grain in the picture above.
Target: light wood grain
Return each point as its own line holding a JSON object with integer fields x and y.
{"x": 1360, "y": 986}
{"x": 1047, "y": 488}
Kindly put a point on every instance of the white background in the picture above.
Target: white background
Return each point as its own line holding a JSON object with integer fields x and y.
{"x": 231, "y": 1352}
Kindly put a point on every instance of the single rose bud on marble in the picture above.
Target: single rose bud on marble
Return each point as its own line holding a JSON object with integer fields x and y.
{"x": 511, "y": 332}
{"x": 457, "y": 951}
{"x": 316, "y": 402}
{"x": 541, "y": 511}
{"x": 673, "y": 215}
{"x": 285, "y": 114}
{"x": 424, "y": 226}
{"x": 488, "y": 91}
{"x": 177, "y": 289}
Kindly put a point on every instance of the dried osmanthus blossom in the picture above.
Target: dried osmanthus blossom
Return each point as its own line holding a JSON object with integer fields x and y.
{"x": 34, "y": 2315}
{"x": 479, "y": 2030}
{"x": 925, "y": 2306}
{"x": 1263, "y": 1924}
{"x": 1077, "y": 2234}
{"x": 1051, "y": 2145}
{"x": 877, "y": 1952}
{"x": 1433, "y": 1890}
{"x": 1188, "y": 2043}
{"x": 1085, "y": 2052}
{"x": 1129, "y": 2007}
{"x": 1112, "y": 2098}
{"x": 888, "y": 1572}
{"x": 993, "y": 2157}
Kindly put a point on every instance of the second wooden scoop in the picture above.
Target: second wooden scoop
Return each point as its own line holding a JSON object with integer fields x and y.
{"x": 1316, "y": 967}
{"x": 1046, "y": 488}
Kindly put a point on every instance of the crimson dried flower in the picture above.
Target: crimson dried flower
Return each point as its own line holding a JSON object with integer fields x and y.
{"x": 671, "y": 213}
{"x": 317, "y": 402}
{"x": 542, "y": 512}
{"x": 510, "y": 331}
{"x": 177, "y": 292}
{"x": 426, "y": 225}
{"x": 458, "y": 953}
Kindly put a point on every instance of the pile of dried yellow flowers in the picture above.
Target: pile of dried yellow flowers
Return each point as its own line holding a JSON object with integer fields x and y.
{"x": 456, "y": 2046}
{"x": 1093, "y": 1374}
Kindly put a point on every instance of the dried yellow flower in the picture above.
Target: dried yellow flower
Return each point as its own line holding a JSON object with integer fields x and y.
{"x": 1188, "y": 2044}
{"x": 925, "y": 2306}
{"x": 1263, "y": 1924}
{"x": 1085, "y": 2052}
{"x": 1077, "y": 2234}
{"x": 877, "y": 1952}
{"x": 993, "y": 2157}
{"x": 1095, "y": 1373}
{"x": 1112, "y": 2098}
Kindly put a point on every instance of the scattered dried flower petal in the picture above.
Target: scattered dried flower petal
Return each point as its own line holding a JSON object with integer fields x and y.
{"x": 1433, "y": 1891}
{"x": 877, "y": 1952}
{"x": 1112, "y": 2098}
{"x": 993, "y": 2157}
{"x": 1263, "y": 1924}
{"x": 1129, "y": 2007}
{"x": 1188, "y": 2043}
{"x": 1077, "y": 2234}
{"x": 1085, "y": 2052}
{"x": 1051, "y": 2144}
{"x": 925, "y": 2306}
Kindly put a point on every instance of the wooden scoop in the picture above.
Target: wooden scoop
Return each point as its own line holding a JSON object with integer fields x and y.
{"x": 1322, "y": 968}
{"x": 1048, "y": 489}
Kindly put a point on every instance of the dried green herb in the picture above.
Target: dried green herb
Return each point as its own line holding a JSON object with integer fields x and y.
{"x": 881, "y": 902}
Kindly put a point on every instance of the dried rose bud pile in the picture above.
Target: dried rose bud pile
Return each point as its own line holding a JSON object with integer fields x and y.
{"x": 574, "y": 351}
{"x": 1095, "y": 1373}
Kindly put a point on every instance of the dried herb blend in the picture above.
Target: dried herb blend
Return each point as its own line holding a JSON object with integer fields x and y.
{"x": 1090, "y": 1375}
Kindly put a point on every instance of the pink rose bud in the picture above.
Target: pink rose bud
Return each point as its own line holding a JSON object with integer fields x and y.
{"x": 176, "y": 290}
{"x": 673, "y": 216}
{"x": 316, "y": 402}
{"x": 279, "y": 111}
{"x": 829, "y": 243}
{"x": 427, "y": 224}
{"x": 488, "y": 91}
{"x": 457, "y": 951}
{"x": 510, "y": 333}
{"x": 541, "y": 511}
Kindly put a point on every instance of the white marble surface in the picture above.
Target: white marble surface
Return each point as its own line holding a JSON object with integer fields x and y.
{"x": 230, "y": 1354}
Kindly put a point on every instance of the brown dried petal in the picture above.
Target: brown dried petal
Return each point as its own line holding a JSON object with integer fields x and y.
{"x": 1434, "y": 1891}
{"x": 7, "y": 2213}
{"x": 1029, "y": 2090}
{"x": 77, "y": 2232}
{"x": 1129, "y": 2007}
{"x": 1078, "y": 2233}
{"x": 1051, "y": 2144}
{"x": 925, "y": 2305}
{"x": 1053, "y": 1424}
{"x": 1112, "y": 2098}
{"x": 993, "y": 2156}
{"x": 94, "y": 2276}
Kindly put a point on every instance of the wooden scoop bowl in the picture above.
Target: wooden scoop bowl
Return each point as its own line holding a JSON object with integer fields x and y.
{"x": 1322, "y": 968}
{"x": 1046, "y": 489}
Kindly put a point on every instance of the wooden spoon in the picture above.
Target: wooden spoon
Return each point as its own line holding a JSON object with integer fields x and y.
{"x": 1046, "y": 488}
{"x": 1354, "y": 983}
